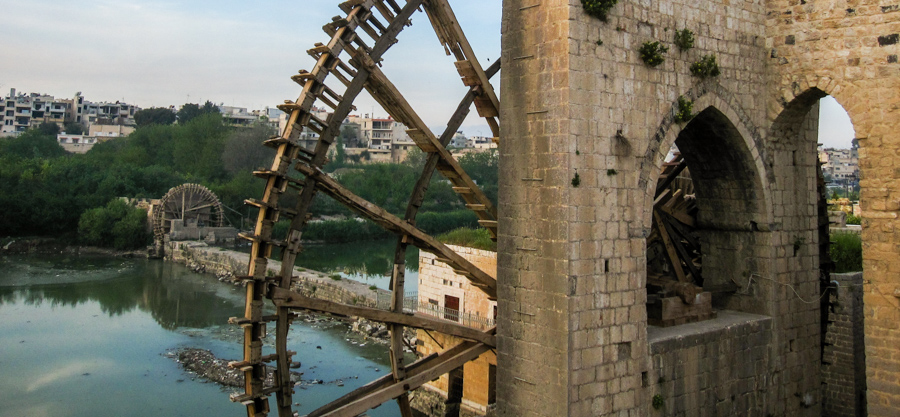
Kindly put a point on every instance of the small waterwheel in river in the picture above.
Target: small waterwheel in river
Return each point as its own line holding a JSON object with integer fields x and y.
{"x": 193, "y": 204}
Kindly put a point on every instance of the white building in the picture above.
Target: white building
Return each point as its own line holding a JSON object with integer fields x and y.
{"x": 76, "y": 143}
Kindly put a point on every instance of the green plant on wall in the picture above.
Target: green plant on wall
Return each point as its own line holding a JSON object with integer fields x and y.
{"x": 598, "y": 8}
{"x": 652, "y": 53}
{"x": 705, "y": 67}
{"x": 657, "y": 402}
{"x": 684, "y": 109}
{"x": 576, "y": 180}
{"x": 684, "y": 39}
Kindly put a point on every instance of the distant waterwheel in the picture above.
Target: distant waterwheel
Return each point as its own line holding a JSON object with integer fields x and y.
{"x": 192, "y": 203}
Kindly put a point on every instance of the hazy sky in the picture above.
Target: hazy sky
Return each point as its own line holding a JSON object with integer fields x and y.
{"x": 240, "y": 53}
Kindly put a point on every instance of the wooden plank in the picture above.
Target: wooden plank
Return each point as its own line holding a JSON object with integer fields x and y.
{"x": 462, "y": 190}
{"x": 467, "y": 73}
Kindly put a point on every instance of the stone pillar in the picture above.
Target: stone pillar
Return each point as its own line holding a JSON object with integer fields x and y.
{"x": 571, "y": 330}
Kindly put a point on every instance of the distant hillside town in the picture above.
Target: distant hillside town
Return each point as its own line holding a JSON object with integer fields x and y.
{"x": 82, "y": 124}
{"x": 840, "y": 166}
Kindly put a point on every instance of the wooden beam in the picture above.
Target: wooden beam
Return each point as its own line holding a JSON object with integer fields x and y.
{"x": 396, "y": 225}
{"x": 445, "y": 363}
{"x": 670, "y": 248}
{"x": 415, "y": 368}
{"x": 289, "y": 299}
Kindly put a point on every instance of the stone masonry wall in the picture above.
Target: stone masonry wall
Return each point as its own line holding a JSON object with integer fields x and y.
{"x": 849, "y": 49}
{"x": 712, "y": 368}
{"x": 437, "y": 279}
{"x": 586, "y": 126}
{"x": 227, "y": 264}
{"x": 844, "y": 358}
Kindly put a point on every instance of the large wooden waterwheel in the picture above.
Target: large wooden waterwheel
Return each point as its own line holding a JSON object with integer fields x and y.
{"x": 345, "y": 65}
{"x": 192, "y": 203}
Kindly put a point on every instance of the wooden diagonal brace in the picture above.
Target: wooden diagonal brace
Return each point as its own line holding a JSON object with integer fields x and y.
{"x": 290, "y": 299}
{"x": 394, "y": 224}
{"x": 416, "y": 377}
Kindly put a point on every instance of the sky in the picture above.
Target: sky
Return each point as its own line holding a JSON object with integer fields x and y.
{"x": 237, "y": 53}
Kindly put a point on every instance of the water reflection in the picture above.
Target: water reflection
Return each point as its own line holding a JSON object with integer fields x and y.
{"x": 171, "y": 293}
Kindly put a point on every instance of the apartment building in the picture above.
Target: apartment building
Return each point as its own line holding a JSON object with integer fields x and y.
{"x": 841, "y": 165}
{"x": 20, "y": 112}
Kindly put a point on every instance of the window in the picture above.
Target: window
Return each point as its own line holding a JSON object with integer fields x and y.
{"x": 451, "y": 308}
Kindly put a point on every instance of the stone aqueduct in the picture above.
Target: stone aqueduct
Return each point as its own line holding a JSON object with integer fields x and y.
{"x": 576, "y": 100}
{"x": 572, "y": 332}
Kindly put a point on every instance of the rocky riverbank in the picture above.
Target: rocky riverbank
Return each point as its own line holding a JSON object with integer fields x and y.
{"x": 52, "y": 245}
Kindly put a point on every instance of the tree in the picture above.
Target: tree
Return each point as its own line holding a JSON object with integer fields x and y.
{"x": 48, "y": 128}
{"x": 350, "y": 134}
{"x": 244, "y": 152}
{"x": 190, "y": 111}
{"x": 117, "y": 225}
{"x": 34, "y": 143}
{"x": 73, "y": 128}
{"x": 154, "y": 115}
{"x": 209, "y": 108}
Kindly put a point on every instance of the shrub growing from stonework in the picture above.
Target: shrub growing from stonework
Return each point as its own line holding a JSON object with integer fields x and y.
{"x": 652, "y": 53}
{"x": 598, "y": 8}
{"x": 705, "y": 67}
{"x": 684, "y": 39}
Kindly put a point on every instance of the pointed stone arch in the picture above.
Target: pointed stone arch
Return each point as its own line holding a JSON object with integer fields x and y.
{"x": 716, "y": 108}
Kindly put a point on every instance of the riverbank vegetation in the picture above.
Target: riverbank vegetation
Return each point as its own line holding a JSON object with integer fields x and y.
{"x": 846, "y": 252}
{"x": 44, "y": 190}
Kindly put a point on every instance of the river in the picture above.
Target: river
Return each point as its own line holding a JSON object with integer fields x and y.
{"x": 89, "y": 336}
{"x": 369, "y": 262}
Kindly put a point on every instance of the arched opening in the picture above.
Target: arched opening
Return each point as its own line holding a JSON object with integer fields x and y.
{"x": 814, "y": 119}
{"x": 838, "y": 152}
{"x": 716, "y": 234}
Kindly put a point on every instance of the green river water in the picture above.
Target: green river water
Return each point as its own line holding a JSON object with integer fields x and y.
{"x": 88, "y": 336}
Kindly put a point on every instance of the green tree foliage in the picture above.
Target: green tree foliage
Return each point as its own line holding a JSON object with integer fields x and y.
{"x": 191, "y": 111}
{"x": 198, "y": 147}
{"x": 117, "y": 225}
{"x": 73, "y": 128}
{"x": 483, "y": 168}
{"x": 48, "y": 128}
{"x": 154, "y": 116}
{"x": 846, "y": 252}
{"x": 34, "y": 143}
{"x": 244, "y": 151}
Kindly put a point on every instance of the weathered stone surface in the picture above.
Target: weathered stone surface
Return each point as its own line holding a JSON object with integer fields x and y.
{"x": 571, "y": 253}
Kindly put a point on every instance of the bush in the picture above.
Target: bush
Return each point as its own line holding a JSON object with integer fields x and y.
{"x": 473, "y": 238}
{"x": 435, "y": 223}
{"x": 846, "y": 252}
{"x": 598, "y": 8}
{"x": 684, "y": 39}
{"x": 705, "y": 67}
{"x": 851, "y": 219}
{"x": 118, "y": 225}
{"x": 685, "y": 109}
{"x": 651, "y": 53}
